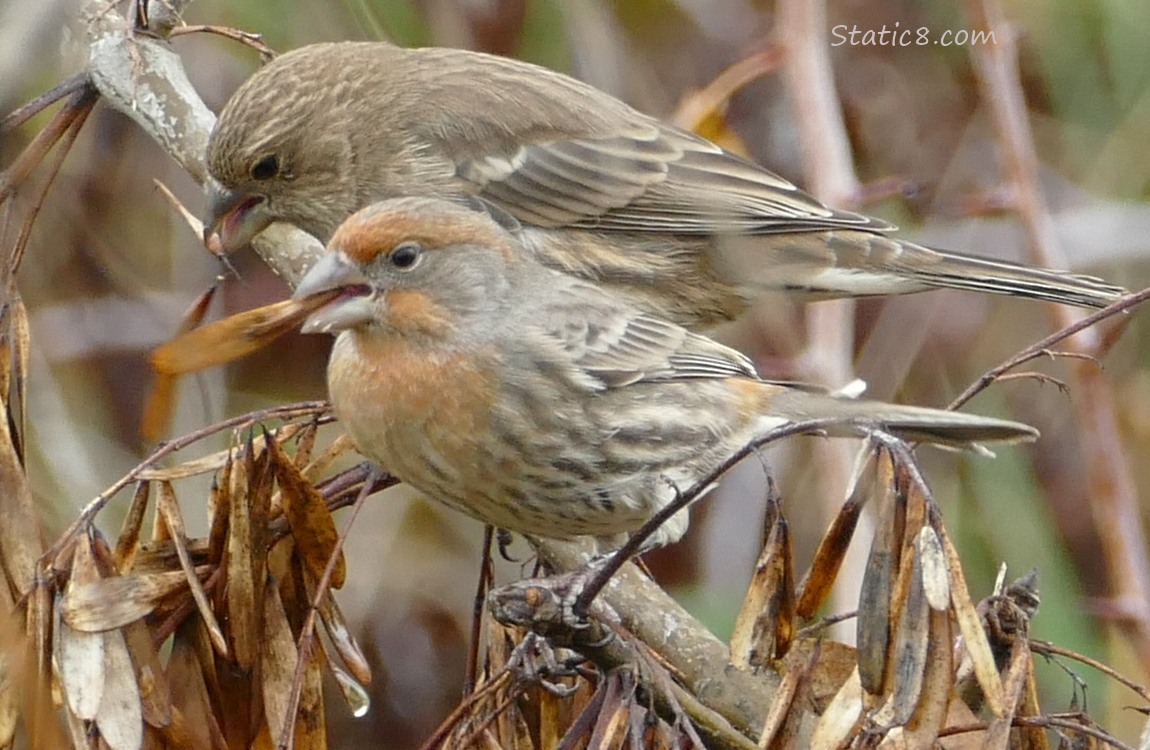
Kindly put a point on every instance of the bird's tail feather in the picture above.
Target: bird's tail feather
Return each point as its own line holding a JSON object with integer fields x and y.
{"x": 860, "y": 264}
{"x": 973, "y": 273}
{"x": 845, "y": 417}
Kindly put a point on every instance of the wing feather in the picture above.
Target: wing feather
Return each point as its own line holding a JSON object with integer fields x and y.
{"x": 575, "y": 156}
{"x": 673, "y": 182}
{"x": 616, "y": 345}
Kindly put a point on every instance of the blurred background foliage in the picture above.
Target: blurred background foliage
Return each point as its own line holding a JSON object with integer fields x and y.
{"x": 111, "y": 268}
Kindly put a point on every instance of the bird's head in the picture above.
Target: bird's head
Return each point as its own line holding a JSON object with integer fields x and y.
{"x": 413, "y": 267}
{"x": 284, "y": 149}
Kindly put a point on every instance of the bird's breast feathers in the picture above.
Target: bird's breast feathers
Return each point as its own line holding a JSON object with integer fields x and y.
{"x": 388, "y": 393}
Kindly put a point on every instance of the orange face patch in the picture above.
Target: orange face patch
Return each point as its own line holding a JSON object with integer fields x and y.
{"x": 411, "y": 311}
{"x": 378, "y": 229}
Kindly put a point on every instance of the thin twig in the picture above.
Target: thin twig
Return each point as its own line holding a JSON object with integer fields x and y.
{"x": 1033, "y": 375}
{"x": 447, "y": 725}
{"x": 808, "y": 631}
{"x": 1042, "y": 722}
{"x": 78, "y": 110}
{"x": 247, "y": 38}
{"x": 695, "y": 108}
{"x": 25, "y": 112}
{"x": 486, "y": 575}
{"x": 1046, "y": 648}
{"x": 79, "y": 102}
{"x": 1045, "y": 346}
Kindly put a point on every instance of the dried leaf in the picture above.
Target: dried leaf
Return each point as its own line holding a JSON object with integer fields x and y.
{"x": 85, "y": 568}
{"x": 235, "y": 336}
{"x": 829, "y": 557}
{"x": 17, "y": 350}
{"x": 777, "y": 730}
{"x": 168, "y": 508}
{"x": 283, "y": 566}
{"x": 219, "y": 510}
{"x": 306, "y": 444}
{"x": 935, "y": 578}
{"x": 937, "y": 682}
{"x": 877, "y": 596}
{"x": 1018, "y": 672}
{"x": 20, "y": 543}
{"x": 80, "y": 661}
{"x": 908, "y": 653}
{"x": 120, "y": 717}
{"x": 213, "y": 461}
{"x": 12, "y": 649}
{"x": 1034, "y": 738}
{"x": 193, "y": 725}
{"x": 160, "y": 405}
{"x": 155, "y": 697}
{"x": 243, "y": 565}
{"x": 311, "y": 722}
{"x": 552, "y": 720}
{"x": 611, "y": 726}
{"x": 970, "y": 625}
{"x": 766, "y": 621}
{"x": 6, "y": 353}
{"x": 702, "y": 110}
{"x": 837, "y": 723}
{"x": 342, "y": 639}
{"x": 311, "y": 522}
{"x": 39, "y": 619}
{"x": 279, "y": 665}
{"x": 236, "y": 692}
{"x": 341, "y": 445}
{"x": 195, "y": 467}
{"x": 128, "y": 543}
{"x": 243, "y": 630}
{"x": 113, "y": 602}
{"x": 82, "y": 738}
{"x": 214, "y": 344}
{"x": 833, "y": 664}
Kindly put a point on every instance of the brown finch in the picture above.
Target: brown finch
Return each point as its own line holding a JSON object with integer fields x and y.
{"x": 538, "y": 402}
{"x": 591, "y": 187}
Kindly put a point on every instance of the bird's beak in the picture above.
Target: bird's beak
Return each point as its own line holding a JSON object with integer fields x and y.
{"x": 233, "y": 216}
{"x": 351, "y": 309}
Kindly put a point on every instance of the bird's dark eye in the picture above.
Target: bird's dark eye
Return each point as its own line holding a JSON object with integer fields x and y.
{"x": 404, "y": 256}
{"x": 266, "y": 168}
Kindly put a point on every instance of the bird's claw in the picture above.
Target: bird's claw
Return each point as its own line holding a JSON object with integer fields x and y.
{"x": 542, "y": 605}
{"x": 551, "y": 606}
{"x": 536, "y": 662}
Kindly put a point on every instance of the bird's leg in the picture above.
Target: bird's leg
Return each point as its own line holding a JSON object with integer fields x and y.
{"x": 600, "y": 569}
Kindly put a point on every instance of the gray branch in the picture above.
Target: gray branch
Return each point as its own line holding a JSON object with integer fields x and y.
{"x": 143, "y": 77}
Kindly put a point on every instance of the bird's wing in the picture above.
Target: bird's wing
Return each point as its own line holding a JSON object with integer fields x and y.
{"x": 616, "y": 345}
{"x": 646, "y": 176}
{"x": 555, "y": 152}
